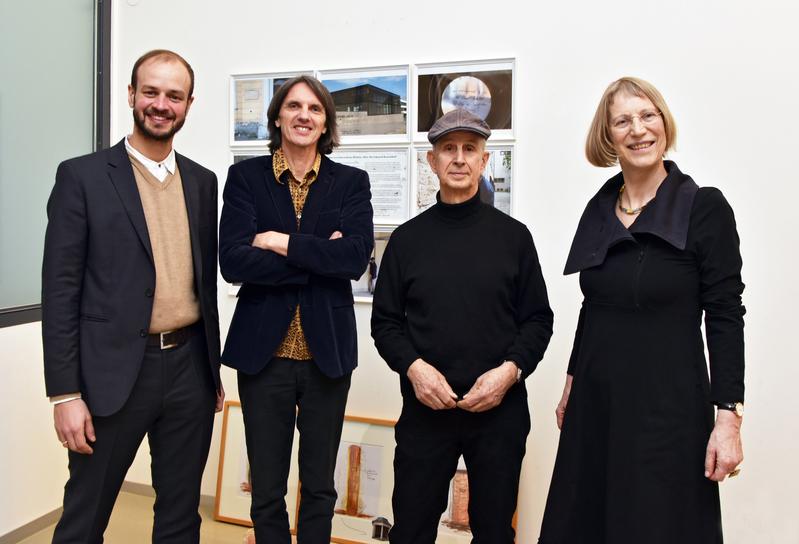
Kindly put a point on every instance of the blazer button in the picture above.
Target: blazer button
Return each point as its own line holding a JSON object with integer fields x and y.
{"x": 148, "y": 292}
{"x": 142, "y": 333}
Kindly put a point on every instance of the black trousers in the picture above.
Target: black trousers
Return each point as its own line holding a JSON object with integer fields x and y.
{"x": 172, "y": 403}
{"x": 429, "y": 444}
{"x": 286, "y": 391}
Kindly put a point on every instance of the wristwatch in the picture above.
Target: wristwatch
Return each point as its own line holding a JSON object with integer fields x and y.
{"x": 737, "y": 407}
{"x": 518, "y": 370}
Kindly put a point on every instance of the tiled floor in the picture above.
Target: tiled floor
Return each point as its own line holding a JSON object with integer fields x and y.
{"x": 132, "y": 523}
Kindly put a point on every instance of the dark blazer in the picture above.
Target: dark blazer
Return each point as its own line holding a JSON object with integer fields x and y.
{"x": 98, "y": 275}
{"x": 316, "y": 273}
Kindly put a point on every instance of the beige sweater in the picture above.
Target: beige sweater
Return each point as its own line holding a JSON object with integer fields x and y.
{"x": 175, "y": 303}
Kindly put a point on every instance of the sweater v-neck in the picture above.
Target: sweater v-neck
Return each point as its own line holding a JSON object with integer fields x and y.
{"x": 151, "y": 180}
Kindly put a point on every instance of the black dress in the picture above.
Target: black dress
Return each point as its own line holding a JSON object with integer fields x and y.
{"x": 630, "y": 463}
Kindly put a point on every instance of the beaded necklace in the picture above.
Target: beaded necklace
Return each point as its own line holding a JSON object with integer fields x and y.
{"x": 631, "y": 211}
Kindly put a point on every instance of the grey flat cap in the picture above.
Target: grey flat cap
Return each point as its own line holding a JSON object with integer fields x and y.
{"x": 458, "y": 119}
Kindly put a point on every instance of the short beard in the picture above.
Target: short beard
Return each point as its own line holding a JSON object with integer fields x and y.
{"x": 159, "y": 137}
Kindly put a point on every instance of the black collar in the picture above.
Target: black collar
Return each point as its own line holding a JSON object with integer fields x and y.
{"x": 457, "y": 212}
{"x": 666, "y": 216}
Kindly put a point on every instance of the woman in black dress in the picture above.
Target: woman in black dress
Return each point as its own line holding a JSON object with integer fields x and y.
{"x": 640, "y": 454}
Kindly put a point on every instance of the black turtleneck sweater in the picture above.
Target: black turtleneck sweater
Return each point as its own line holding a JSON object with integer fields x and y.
{"x": 460, "y": 287}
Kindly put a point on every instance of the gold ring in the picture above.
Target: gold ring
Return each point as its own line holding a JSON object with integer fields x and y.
{"x": 735, "y": 472}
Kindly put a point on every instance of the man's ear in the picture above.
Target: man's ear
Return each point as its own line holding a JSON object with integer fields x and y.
{"x": 189, "y": 102}
{"x": 131, "y": 95}
{"x": 431, "y": 160}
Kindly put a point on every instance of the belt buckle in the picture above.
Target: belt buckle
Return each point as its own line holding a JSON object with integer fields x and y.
{"x": 163, "y": 345}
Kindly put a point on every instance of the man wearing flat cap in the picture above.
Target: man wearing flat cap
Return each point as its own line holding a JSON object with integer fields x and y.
{"x": 461, "y": 314}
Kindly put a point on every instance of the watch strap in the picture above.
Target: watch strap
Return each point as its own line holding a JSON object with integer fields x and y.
{"x": 736, "y": 407}
{"x": 519, "y": 371}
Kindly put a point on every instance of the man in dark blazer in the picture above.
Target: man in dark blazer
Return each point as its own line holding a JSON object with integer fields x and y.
{"x": 296, "y": 227}
{"x": 130, "y": 325}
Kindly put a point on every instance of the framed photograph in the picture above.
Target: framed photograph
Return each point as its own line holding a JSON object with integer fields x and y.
{"x": 484, "y": 88}
{"x": 364, "y": 480}
{"x": 239, "y": 155}
{"x": 363, "y": 288}
{"x": 454, "y": 525}
{"x": 249, "y": 100}
{"x": 371, "y": 104}
{"x": 233, "y": 483}
{"x": 495, "y": 183}
{"x": 389, "y": 179}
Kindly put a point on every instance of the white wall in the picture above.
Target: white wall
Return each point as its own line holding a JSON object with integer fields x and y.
{"x": 33, "y": 465}
{"x": 728, "y": 71}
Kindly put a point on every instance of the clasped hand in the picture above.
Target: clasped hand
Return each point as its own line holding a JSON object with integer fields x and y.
{"x": 432, "y": 390}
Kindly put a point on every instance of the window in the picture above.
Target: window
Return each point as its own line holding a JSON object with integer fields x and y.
{"x": 47, "y": 114}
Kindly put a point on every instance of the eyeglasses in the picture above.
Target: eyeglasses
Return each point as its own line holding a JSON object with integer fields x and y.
{"x": 624, "y": 122}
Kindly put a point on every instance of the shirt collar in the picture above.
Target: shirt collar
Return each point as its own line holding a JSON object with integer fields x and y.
{"x": 280, "y": 166}
{"x": 665, "y": 216}
{"x": 153, "y": 166}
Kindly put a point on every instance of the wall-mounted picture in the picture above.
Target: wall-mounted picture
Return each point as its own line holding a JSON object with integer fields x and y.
{"x": 454, "y": 525}
{"x": 370, "y": 102}
{"x": 239, "y": 156}
{"x": 388, "y": 177}
{"x": 249, "y": 98}
{"x": 364, "y": 287}
{"x": 494, "y": 185}
{"x": 234, "y": 482}
{"x": 484, "y": 89}
{"x": 364, "y": 480}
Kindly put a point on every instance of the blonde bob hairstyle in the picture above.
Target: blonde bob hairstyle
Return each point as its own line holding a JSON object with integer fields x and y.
{"x": 599, "y": 148}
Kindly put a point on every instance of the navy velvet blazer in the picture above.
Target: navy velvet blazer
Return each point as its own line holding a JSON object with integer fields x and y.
{"x": 315, "y": 274}
{"x": 98, "y": 275}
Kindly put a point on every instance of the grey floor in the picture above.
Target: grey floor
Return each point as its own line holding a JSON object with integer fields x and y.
{"x": 132, "y": 522}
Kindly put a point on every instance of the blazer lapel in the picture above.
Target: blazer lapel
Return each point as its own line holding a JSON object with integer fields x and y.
{"x": 191, "y": 194}
{"x": 281, "y": 199}
{"x": 121, "y": 173}
{"x": 316, "y": 196}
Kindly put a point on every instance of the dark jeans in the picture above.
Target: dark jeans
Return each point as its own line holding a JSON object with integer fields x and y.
{"x": 270, "y": 401}
{"x": 173, "y": 403}
{"x": 429, "y": 444}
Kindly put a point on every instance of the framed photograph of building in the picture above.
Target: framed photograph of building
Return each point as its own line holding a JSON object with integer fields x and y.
{"x": 233, "y": 483}
{"x": 371, "y": 104}
{"x": 389, "y": 178}
{"x": 484, "y": 88}
{"x": 249, "y": 100}
{"x": 364, "y": 480}
{"x": 495, "y": 183}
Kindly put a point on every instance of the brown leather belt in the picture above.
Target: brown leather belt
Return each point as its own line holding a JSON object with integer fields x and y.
{"x": 170, "y": 339}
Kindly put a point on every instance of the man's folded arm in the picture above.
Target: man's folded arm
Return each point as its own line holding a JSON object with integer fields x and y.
{"x": 239, "y": 260}
{"x": 345, "y": 257}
